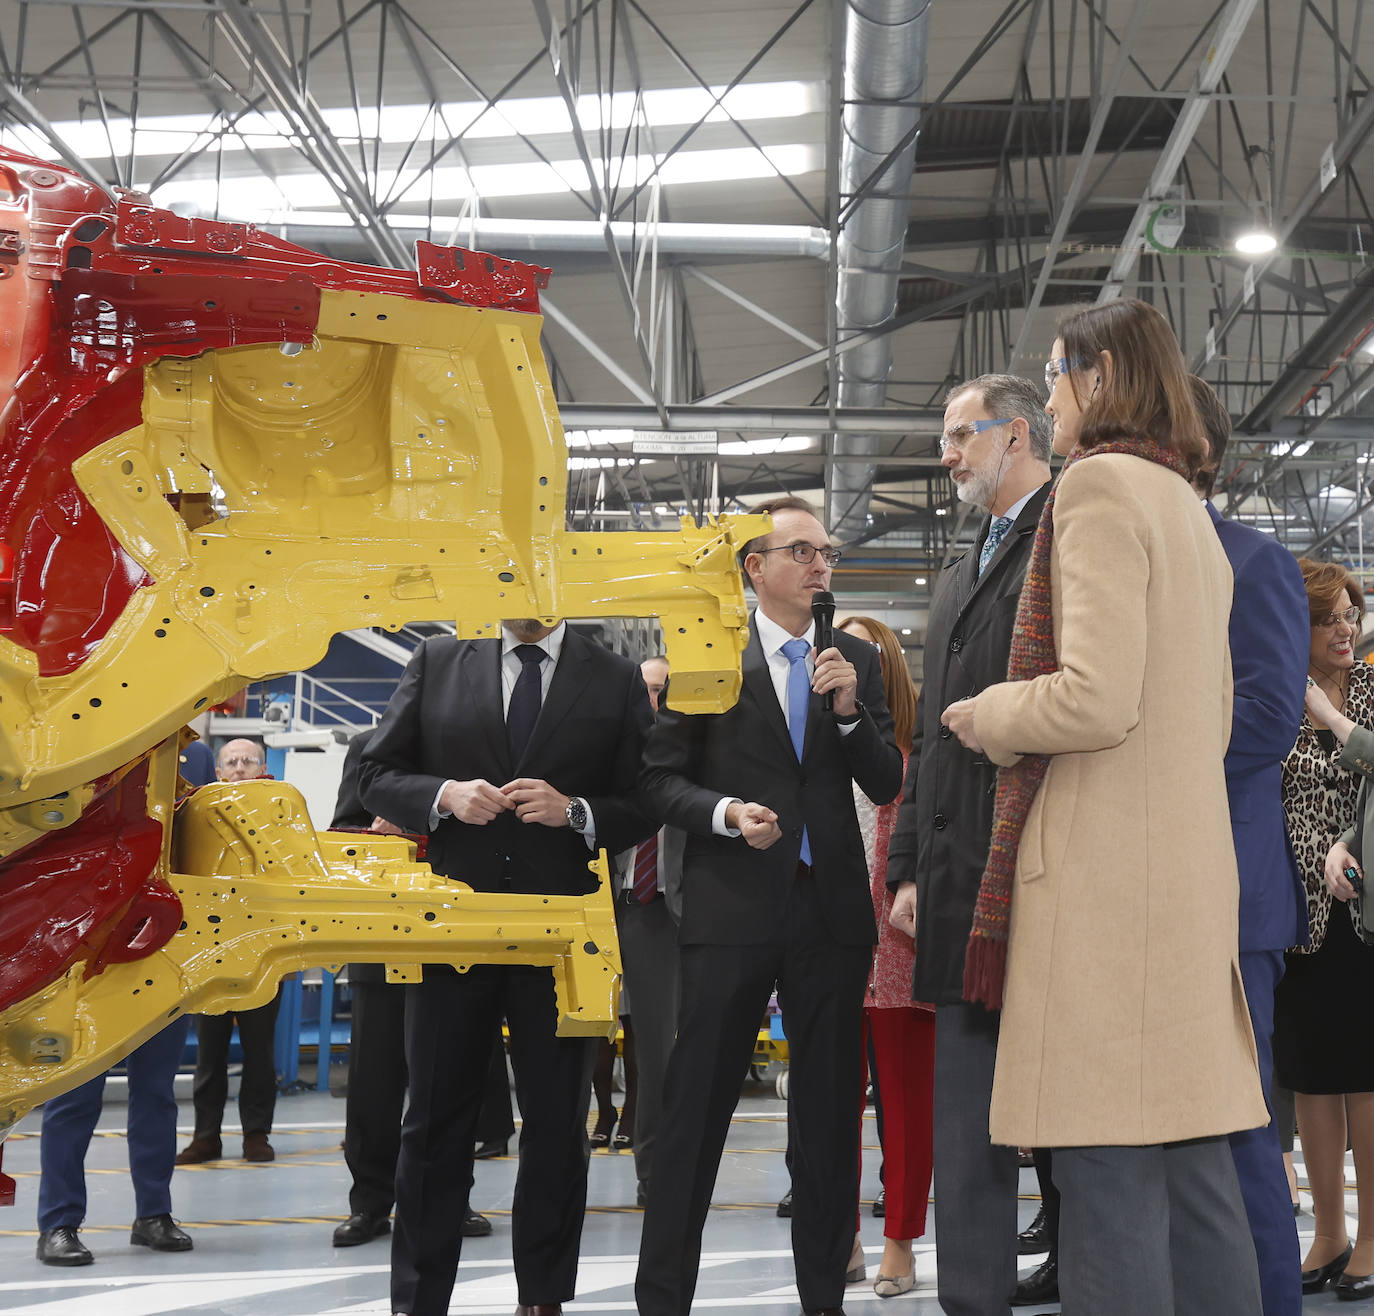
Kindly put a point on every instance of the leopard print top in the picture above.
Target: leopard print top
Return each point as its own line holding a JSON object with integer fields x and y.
{"x": 1319, "y": 802}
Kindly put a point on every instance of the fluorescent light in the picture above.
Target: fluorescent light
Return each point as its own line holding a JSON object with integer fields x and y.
{"x": 1256, "y": 242}
{"x": 399, "y": 125}
{"x": 1303, "y": 448}
{"x": 262, "y": 200}
{"x": 596, "y": 463}
{"x": 920, "y": 580}
{"x": 942, "y": 511}
{"x": 761, "y": 447}
{"x": 906, "y": 630}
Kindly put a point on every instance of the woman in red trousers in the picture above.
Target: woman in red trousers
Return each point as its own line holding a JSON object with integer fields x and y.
{"x": 899, "y": 1033}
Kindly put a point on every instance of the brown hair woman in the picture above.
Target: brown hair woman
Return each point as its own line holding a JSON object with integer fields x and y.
{"x": 1319, "y": 1009}
{"x": 1106, "y": 926}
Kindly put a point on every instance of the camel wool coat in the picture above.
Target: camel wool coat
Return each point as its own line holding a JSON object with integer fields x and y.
{"x": 1125, "y": 1021}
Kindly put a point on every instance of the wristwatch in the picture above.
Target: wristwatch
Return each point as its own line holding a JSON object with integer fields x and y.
{"x": 576, "y": 814}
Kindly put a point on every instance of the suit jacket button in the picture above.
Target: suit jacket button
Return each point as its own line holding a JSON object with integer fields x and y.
{"x": 940, "y": 820}
{"x": 945, "y": 732}
{"x": 956, "y": 644}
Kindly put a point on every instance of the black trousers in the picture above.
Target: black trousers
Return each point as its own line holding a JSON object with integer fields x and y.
{"x": 258, "y": 1080}
{"x": 377, "y": 1093}
{"x": 725, "y": 992}
{"x": 451, "y": 1024}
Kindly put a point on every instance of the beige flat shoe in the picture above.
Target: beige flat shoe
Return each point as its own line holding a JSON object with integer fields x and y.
{"x": 893, "y": 1286}
{"x": 857, "y": 1272}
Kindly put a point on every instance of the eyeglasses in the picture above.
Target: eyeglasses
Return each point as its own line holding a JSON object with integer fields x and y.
{"x": 1060, "y": 365}
{"x": 806, "y": 553}
{"x": 1351, "y": 617}
{"x": 240, "y": 763}
{"x": 961, "y": 434}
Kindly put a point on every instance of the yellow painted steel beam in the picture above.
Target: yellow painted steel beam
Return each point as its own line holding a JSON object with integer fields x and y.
{"x": 408, "y": 466}
{"x": 264, "y": 895}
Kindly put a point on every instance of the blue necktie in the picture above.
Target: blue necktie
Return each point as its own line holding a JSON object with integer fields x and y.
{"x": 997, "y": 532}
{"x": 798, "y": 704}
{"x": 525, "y": 699}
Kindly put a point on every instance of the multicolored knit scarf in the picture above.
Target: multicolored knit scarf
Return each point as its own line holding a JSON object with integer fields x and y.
{"x": 1032, "y": 654}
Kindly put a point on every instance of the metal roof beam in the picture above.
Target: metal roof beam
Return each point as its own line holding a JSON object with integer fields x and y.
{"x": 1229, "y": 31}
{"x": 259, "y": 48}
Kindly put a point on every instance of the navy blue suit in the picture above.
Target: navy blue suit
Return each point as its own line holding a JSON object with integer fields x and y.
{"x": 1270, "y": 639}
{"x": 70, "y": 1119}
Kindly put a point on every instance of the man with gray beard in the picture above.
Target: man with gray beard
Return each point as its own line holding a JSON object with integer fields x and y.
{"x": 996, "y": 447}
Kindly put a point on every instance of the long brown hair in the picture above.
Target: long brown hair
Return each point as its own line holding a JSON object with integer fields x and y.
{"x": 1147, "y": 393}
{"x": 897, "y": 683}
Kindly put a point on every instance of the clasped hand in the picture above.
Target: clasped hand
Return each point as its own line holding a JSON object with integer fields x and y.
{"x": 477, "y": 802}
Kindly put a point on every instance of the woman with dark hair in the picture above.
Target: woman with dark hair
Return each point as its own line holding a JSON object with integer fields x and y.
{"x": 1109, "y": 904}
{"x": 1320, "y": 1010}
{"x": 899, "y": 1034}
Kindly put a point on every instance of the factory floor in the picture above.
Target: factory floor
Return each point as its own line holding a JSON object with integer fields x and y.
{"x": 262, "y": 1232}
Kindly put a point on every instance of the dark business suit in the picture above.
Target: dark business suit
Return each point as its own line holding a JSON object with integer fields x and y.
{"x": 446, "y": 721}
{"x": 750, "y": 919}
{"x": 376, "y": 1049}
{"x": 941, "y": 842}
{"x": 648, "y": 953}
{"x": 1270, "y": 637}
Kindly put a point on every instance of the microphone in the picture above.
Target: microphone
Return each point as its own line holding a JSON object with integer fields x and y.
{"x": 823, "y": 613}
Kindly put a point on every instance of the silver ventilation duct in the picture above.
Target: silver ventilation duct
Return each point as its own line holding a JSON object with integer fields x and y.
{"x": 884, "y": 83}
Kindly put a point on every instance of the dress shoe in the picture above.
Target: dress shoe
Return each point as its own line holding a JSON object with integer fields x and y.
{"x": 785, "y": 1205}
{"x": 623, "y": 1141}
{"x": 361, "y": 1228}
{"x": 822, "y": 1311}
{"x": 160, "y": 1233}
{"x": 600, "y": 1136}
{"x": 61, "y": 1247}
{"x": 1035, "y": 1237}
{"x": 1354, "y": 1288}
{"x": 541, "y": 1309}
{"x": 477, "y": 1226}
{"x": 641, "y": 1194}
{"x": 486, "y": 1151}
{"x": 257, "y": 1148}
{"x": 1041, "y": 1285}
{"x": 893, "y": 1286}
{"x": 199, "y": 1150}
{"x": 857, "y": 1270}
{"x": 1314, "y": 1281}
{"x": 880, "y": 1204}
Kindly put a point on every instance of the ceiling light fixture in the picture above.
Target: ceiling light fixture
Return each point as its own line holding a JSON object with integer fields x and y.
{"x": 1256, "y": 242}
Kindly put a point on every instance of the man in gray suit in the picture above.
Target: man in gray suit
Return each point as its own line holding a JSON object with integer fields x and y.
{"x": 646, "y": 912}
{"x": 996, "y": 447}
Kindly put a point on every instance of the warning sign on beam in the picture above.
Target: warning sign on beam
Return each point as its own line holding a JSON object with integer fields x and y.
{"x": 683, "y": 443}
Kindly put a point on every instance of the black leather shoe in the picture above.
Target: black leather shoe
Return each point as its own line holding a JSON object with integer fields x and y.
{"x": 1035, "y": 1237}
{"x": 1314, "y": 1281}
{"x": 475, "y": 1226}
{"x": 785, "y": 1205}
{"x": 822, "y": 1311}
{"x": 361, "y": 1228}
{"x": 160, "y": 1233}
{"x": 1041, "y": 1285}
{"x": 61, "y": 1247}
{"x": 880, "y": 1203}
{"x": 1354, "y": 1288}
{"x": 486, "y": 1151}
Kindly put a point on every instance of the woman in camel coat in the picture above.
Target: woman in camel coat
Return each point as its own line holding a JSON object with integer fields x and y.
{"x": 1125, "y": 1042}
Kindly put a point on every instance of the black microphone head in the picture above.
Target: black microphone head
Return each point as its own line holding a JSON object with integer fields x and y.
{"x": 823, "y": 605}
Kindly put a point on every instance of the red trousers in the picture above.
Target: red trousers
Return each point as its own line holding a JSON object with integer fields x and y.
{"x": 904, "y": 1058}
